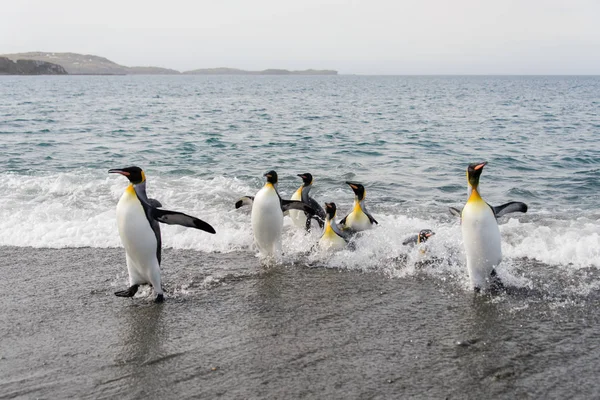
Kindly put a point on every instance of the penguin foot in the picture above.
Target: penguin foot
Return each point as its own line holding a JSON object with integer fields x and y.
{"x": 496, "y": 284}
{"x": 159, "y": 298}
{"x": 130, "y": 292}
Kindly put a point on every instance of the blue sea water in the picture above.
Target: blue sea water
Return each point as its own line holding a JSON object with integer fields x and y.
{"x": 204, "y": 141}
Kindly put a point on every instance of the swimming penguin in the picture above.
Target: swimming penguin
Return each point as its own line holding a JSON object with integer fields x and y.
{"x": 137, "y": 220}
{"x": 267, "y": 216}
{"x": 481, "y": 235}
{"x": 419, "y": 238}
{"x": 333, "y": 238}
{"x": 302, "y": 219}
{"x": 359, "y": 219}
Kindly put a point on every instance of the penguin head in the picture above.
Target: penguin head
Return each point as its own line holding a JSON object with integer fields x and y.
{"x": 306, "y": 179}
{"x": 359, "y": 190}
{"x": 134, "y": 174}
{"x": 425, "y": 234}
{"x": 330, "y": 210}
{"x": 474, "y": 172}
{"x": 271, "y": 177}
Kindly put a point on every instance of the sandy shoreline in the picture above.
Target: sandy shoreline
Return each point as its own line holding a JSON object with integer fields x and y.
{"x": 232, "y": 329}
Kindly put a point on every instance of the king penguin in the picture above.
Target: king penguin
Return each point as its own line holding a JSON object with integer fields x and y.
{"x": 359, "y": 219}
{"x": 333, "y": 238}
{"x": 137, "y": 221}
{"x": 481, "y": 235}
{"x": 303, "y": 219}
{"x": 267, "y": 216}
{"x": 421, "y": 237}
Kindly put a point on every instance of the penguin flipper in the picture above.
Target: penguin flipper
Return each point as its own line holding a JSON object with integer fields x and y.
{"x": 154, "y": 203}
{"x": 178, "y": 218}
{"x": 414, "y": 239}
{"x": 317, "y": 207}
{"x": 319, "y": 221}
{"x": 455, "y": 211}
{"x": 343, "y": 221}
{"x": 373, "y": 220}
{"x": 296, "y": 205}
{"x": 316, "y": 218}
{"x": 244, "y": 201}
{"x": 510, "y": 207}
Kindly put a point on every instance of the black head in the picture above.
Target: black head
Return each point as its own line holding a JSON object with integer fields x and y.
{"x": 330, "y": 210}
{"x": 271, "y": 177}
{"x": 134, "y": 174}
{"x": 425, "y": 234}
{"x": 359, "y": 190}
{"x": 306, "y": 178}
{"x": 474, "y": 172}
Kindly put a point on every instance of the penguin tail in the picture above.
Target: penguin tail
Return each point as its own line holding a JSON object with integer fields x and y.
{"x": 129, "y": 292}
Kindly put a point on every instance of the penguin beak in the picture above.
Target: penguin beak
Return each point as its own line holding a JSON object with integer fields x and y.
{"x": 478, "y": 167}
{"x": 118, "y": 171}
{"x": 430, "y": 234}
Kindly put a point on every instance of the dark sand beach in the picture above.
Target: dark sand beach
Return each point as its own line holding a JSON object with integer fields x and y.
{"x": 233, "y": 329}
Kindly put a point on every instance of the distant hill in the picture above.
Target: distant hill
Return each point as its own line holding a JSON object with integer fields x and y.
{"x": 87, "y": 64}
{"x": 29, "y": 67}
{"x": 235, "y": 71}
{"x": 152, "y": 71}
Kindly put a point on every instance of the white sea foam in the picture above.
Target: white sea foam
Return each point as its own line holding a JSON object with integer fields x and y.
{"x": 77, "y": 209}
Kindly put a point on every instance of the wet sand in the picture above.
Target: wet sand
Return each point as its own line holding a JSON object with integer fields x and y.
{"x": 230, "y": 328}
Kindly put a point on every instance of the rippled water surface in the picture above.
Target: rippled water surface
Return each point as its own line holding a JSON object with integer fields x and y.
{"x": 394, "y": 313}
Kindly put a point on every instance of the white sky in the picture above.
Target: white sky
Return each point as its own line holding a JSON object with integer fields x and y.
{"x": 352, "y": 36}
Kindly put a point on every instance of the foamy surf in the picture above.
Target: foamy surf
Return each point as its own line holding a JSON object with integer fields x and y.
{"x": 77, "y": 209}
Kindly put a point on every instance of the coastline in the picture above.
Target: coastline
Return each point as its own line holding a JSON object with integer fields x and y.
{"x": 230, "y": 327}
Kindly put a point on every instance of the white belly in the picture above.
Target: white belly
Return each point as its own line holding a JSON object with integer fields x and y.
{"x": 138, "y": 239}
{"x": 357, "y": 220}
{"x": 298, "y": 217}
{"x": 330, "y": 240}
{"x": 481, "y": 237}
{"x": 267, "y": 221}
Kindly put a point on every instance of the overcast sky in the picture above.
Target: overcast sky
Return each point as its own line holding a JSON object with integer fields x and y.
{"x": 351, "y": 36}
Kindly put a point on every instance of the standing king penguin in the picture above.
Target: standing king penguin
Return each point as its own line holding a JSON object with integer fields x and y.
{"x": 333, "y": 238}
{"x": 303, "y": 219}
{"x": 481, "y": 235}
{"x": 267, "y": 216}
{"x": 359, "y": 219}
{"x": 137, "y": 220}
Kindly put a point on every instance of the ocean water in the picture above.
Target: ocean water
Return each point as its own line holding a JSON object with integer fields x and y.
{"x": 204, "y": 141}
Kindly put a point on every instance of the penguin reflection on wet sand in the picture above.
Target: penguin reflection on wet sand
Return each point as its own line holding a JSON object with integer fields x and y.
{"x": 137, "y": 221}
{"x": 303, "y": 219}
{"x": 359, "y": 219}
{"x": 481, "y": 235}
{"x": 267, "y": 216}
